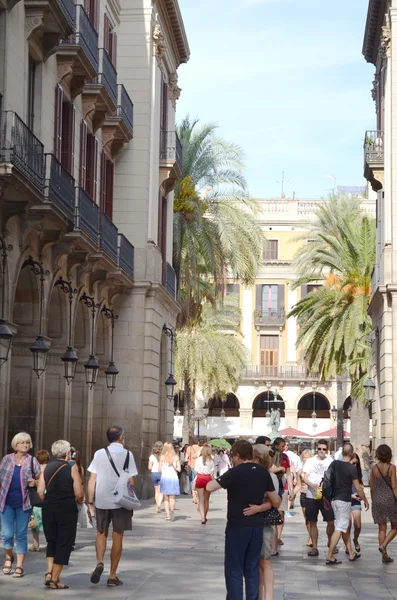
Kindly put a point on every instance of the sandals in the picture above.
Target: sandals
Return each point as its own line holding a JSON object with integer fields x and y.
{"x": 385, "y": 557}
{"x": 97, "y": 572}
{"x": 47, "y": 579}
{"x": 357, "y": 546}
{"x": 313, "y": 552}
{"x": 114, "y": 582}
{"x": 7, "y": 570}
{"x": 356, "y": 557}
{"x": 55, "y": 585}
{"x": 18, "y": 573}
{"x": 333, "y": 562}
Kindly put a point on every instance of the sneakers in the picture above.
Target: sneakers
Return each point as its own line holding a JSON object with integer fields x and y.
{"x": 288, "y": 514}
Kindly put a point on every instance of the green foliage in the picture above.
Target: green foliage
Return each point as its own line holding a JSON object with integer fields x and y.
{"x": 334, "y": 324}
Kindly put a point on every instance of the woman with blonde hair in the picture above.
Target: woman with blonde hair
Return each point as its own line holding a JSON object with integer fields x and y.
{"x": 205, "y": 469}
{"x": 19, "y": 471}
{"x": 153, "y": 467}
{"x": 169, "y": 467}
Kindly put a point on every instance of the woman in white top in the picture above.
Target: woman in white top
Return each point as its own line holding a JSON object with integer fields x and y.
{"x": 205, "y": 469}
{"x": 153, "y": 467}
{"x": 169, "y": 468}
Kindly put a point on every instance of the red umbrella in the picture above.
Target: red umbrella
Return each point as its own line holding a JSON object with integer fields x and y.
{"x": 291, "y": 432}
{"x": 331, "y": 433}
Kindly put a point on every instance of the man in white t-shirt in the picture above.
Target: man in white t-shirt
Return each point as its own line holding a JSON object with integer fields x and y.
{"x": 313, "y": 473}
{"x": 103, "y": 480}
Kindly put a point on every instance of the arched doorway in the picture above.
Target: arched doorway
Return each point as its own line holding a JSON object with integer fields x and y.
{"x": 262, "y": 405}
{"x": 23, "y": 408}
{"x": 314, "y": 403}
{"x": 231, "y": 406}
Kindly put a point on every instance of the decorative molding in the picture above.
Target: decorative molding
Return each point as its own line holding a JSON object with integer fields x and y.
{"x": 32, "y": 22}
{"x": 375, "y": 87}
{"x": 174, "y": 89}
{"x": 159, "y": 45}
{"x": 384, "y": 46}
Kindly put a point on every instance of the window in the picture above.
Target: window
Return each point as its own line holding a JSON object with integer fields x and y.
{"x": 88, "y": 161}
{"x": 307, "y": 289}
{"x": 91, "y": 7}
{"x": 271, "y": 250}
{"x": 107, "y": 181}
{"x": 232, "y": 288}
{"x": 269, "y": 349}
{"x": 31, "y": 91}
{"x": 64, "y": 130}
{"x": 269, "y": 299}
{"x": 109, "y": 39}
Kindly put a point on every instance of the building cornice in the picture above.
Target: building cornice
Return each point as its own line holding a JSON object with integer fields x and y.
{"x": 171, "y": 10}
{"x": 375, "y": 16}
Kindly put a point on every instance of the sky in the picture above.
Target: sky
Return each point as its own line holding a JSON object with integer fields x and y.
{"x": 286, "y": 80}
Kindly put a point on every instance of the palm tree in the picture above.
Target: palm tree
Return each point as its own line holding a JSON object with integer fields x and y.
{"x": 210, "y": 357}
{"x": 339, "y": 251}
{"x": 216, "y": 230}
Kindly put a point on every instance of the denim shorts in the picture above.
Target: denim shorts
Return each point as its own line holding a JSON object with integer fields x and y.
{"x": 156, "y": 478}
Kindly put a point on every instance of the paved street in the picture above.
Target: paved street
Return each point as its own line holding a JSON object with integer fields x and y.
{"x": 183, "y": 561}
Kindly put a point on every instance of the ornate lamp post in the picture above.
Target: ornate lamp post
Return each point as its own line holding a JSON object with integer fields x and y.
{"x": 70, "y": 358}
{"x": 268, "y": 385}
{"x": 92, "y": 365}
{"x": 40, "y": 348}
{"x": 314, "y": 414}
{"x": 5, "y": 331}
{"x": 334, "y": 413}
{"x": 369, "y": 388}
{"x": 201, "y": 418}
{"x": 170, "y": 382}
{"x": 111, "y": 372}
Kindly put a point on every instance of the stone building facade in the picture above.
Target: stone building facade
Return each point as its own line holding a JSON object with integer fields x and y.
{"x": 88, "y": 161}
{"x": 380, "y": 169}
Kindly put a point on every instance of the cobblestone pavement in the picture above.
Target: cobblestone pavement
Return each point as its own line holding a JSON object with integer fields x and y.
{"x": 184, "y": 561}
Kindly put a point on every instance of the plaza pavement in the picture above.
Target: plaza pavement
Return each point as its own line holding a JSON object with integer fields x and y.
{"x": 183, "y": 560}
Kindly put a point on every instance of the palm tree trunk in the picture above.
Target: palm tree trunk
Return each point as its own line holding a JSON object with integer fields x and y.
{"x": 359, "y": 425}
{"x": 190, "y": 412}
{"x": 339, "y": 405}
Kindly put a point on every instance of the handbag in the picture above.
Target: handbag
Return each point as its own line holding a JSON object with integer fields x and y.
{"x": 35, "y": 499}
{"x": 272, "y": 517}
{"x": 33, "y": 524}
{"x": 125, "y": 497}
{"x": 83, "y": 518}
{"x": 187, "y": 469}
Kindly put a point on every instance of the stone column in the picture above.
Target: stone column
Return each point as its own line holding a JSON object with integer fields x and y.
{"x": 246, "y": 417}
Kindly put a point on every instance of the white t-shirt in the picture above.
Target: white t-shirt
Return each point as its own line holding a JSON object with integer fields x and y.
{"x": 155, "y": 463}
{"x": 315, "y": 469}
{"x": 207, "y": 469}
{"x": 106, "y": 478}
{"x": 294, "y": 460}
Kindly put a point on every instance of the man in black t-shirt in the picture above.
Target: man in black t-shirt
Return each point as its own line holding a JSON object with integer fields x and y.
{"x": 246, "y": 484}
{"x": 345, "y": 476}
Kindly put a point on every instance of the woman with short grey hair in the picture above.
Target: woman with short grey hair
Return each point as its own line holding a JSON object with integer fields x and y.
{"x": 60, "y": 486}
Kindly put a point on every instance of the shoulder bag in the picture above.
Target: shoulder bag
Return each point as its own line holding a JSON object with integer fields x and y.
{"x": 35, "y": 500}
{"x": 124, "y": 495}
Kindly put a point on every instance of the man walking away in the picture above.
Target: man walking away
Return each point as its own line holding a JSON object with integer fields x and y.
{"x": 345, "y": 476}
{"x": 192, "y": 453}
{"x": 312, "y": 474}
{"x": 246, "y": 484}
{"x": 101, "y": 484}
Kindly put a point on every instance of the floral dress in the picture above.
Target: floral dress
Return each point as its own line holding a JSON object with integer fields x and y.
{"x": 384, "y": 503}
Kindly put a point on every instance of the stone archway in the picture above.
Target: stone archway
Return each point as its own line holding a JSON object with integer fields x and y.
{"x": 266, "y": 401}
{"x": 318, "y": 403}
{"x": 231, "y": 406}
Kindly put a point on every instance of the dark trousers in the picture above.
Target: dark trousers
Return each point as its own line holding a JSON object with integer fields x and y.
{"x": 60, "y": 524}
{"x": 242, "y": 555}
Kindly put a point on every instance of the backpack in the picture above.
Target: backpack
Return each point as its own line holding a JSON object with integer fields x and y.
{"x": 328, "y": 483}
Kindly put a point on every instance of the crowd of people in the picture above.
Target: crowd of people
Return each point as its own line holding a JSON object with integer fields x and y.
{"x": 47, "y": 494}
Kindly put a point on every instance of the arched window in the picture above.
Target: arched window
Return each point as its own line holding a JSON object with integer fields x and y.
{"x": 346, "y": 405}
{"x": 231, "y": 406}
{"x": 320, "y": 405}
{"x": 264, "y": 402}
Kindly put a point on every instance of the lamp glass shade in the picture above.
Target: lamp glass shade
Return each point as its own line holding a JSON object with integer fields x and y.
{"x": 334, "y": 412}
{"x": 170, "y": 385}
{"x": 268, "y": 415}
{"x": 111, "y": 376}
{"x": 5, "y": 341}
{"x": 314, "y": 415}
{"x": 91, "y": 371}
{"x": 69, "y": 360}
{"x": 177, "y": 412}
{"x": 39, "y": 349}
{"x": 223, "y": 414}
{"x": 369, "y": 388}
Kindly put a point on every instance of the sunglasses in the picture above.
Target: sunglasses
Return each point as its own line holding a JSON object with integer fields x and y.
{"x": 322, "y": 449}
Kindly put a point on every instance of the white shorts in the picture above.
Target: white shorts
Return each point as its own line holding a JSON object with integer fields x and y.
{"x": 342, "y": 511}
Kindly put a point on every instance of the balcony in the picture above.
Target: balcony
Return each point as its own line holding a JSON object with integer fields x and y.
{"x": 60, "y": 188}
{"x": 170, "y": 159}
{"x": 47, "y": 22}
{"x": 294, "y": 373}
{"x": 126, "y": 256}
{"x": 108, "y": 237}
{"x": 269, "y": 317}
{"x": 118, "y": 128}
{"x": 374, "y": 159}
{"x": 22, "y": 160}
{"x": 87, "y": 215}
{"x": 100, "y": 95}
{"x": 78, "y": 55}
{"x": 170, "y": 280}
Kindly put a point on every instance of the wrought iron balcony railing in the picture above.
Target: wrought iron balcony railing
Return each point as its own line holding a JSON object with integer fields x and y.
{"x": 60, "y": 188}
{"x": 373, "y": 148}
{"x": 269, "y": 317}
{"x": 126, "y": 255}
{"x": 170, "y": 280}
{"x": 284, "y": 372}
{"x": 67, "y": 7}
{"x": 170, "y": 148}
{"x": 125, "y": 108}
{"x": 85, "y": 36}
{"x": 108, "y": 237}
{"x": 20, "y": 147}
{"x": 108, "y": 75}
{"x": 87, "y": 215}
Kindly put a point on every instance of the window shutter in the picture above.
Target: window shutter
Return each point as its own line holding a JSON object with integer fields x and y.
{"x": 109, "y": 189}
{"x": 66, "y": 155}
{"x": 107, "y": 35}
{"x": 72, "y": 133}
{"x": 58, "y": 122}
{"x": 83, "y": 155}
{"x": 113, "y": 40}
{"x": 258, "y": 298}
{"x": 281, "y": 292}
{"x": 102, "y": 199}
{"x": 95, "y": 13}
{"x": 95, "y": 170}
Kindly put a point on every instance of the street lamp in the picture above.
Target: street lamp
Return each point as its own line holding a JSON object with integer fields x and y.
{"x": 200, "y": 418}
{"x": 268, "y": 385}
{"x": 5, "y": 331}
{"x": 223, "y": 414}
{"x": 314, "y": 387}
{"x": 334, "y": 413}
{"x": 70, "y": 358}
{"x": 91, "y": 366}
{"x": 170, "y": 383}
{"x": 40, "y": 348}
{"x": 369, "y": 388}
{"x": 112, "y": 371}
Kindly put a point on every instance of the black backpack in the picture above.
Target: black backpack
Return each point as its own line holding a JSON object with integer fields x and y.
{"x": 328, "y": 483}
